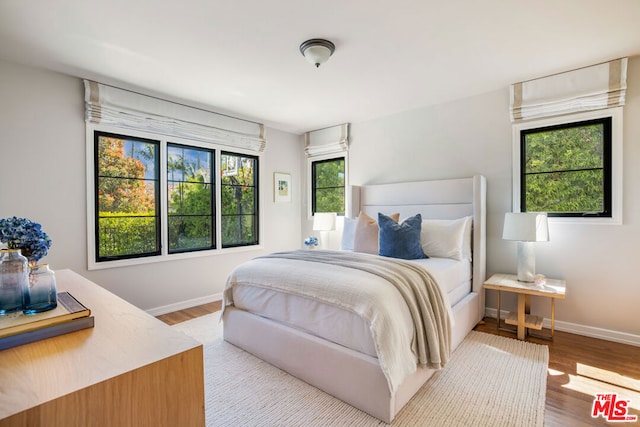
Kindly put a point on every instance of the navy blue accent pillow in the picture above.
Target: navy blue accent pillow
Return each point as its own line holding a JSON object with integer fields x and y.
{"x": 400, "y": 240}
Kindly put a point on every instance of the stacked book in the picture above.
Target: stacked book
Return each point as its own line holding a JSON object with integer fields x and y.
{"x": 69, "y": 316}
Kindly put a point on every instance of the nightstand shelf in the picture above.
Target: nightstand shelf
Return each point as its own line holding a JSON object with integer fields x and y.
{"x": 530, "y": 321}
{"x": 523, "y": 319}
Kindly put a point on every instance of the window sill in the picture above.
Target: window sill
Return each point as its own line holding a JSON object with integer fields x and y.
{"x": 92, "y": 265}
{"x": 585, "y": 220}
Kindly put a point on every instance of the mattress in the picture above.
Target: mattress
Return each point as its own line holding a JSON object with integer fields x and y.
{"x": 335, "y": 324}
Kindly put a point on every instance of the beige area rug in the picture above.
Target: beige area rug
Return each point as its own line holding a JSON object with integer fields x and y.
{"x": 489, "y": 381}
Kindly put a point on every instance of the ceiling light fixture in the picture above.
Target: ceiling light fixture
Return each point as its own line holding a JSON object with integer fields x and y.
{"x": 317, "y": 51}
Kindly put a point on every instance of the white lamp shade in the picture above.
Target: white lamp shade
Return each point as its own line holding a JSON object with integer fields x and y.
{"x": 526, "y": 227}
{"x": 324, "y": 221}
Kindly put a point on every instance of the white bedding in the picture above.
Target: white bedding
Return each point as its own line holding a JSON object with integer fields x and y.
{"x": 338, "y": 325}
{"x": 410, "y": 321}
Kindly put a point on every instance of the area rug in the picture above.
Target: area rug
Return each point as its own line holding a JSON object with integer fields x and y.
{"x": 489, "y": 381}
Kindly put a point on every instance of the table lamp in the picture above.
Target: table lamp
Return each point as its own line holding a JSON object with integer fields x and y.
{"x": 526, "y": 228}
{"x": 324, "y": 222}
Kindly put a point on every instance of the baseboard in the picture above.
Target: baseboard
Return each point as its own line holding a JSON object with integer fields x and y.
{"x": 184, "y": 304}
{"x": 574, "y": 328}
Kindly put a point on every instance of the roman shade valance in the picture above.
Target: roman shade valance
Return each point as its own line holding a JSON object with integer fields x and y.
{"x": 590, "y": 88}
{"x": 331, "y": 140}
{"x": 118, "y": 107}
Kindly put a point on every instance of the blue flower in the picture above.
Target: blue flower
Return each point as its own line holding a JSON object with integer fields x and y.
{"x": 311, "y": 241}
{"x": 24, "y": 234}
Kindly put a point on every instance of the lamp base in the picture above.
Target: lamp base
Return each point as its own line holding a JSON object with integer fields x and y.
{"x": 324, "y": 239}
{"x": 526, "y": 262}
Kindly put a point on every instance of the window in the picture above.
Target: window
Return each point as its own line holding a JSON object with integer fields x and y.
{"x": 190, "y": 198}
{"x": 134, "y": 218}
{"x": 328, "y": 185}
{"x": 239, "y": 200}
{"x": 570, "y": 166}
{"x": 127, "y": 194}
{"x": 566, "y": 169}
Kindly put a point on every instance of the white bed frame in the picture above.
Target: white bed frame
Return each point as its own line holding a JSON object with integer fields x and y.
{"x": 351, "y": 376}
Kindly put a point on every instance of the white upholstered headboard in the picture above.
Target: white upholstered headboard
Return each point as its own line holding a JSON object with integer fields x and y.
{"x": 437, "y": 199}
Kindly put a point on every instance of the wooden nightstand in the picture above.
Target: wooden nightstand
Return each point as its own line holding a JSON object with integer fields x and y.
{"x": 553, "y": 288}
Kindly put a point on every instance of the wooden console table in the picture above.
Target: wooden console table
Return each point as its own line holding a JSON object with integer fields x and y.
{"x": 130, "y": 369}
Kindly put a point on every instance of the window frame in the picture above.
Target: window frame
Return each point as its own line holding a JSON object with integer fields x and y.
{"x": 212, "y": 160}
{"x": 615, "y": 114}
{"x": 322, "y": 159}
{"x": 94, "y": 264}
{"x": 96, "y": 210}
{"x": 256, "y": 201}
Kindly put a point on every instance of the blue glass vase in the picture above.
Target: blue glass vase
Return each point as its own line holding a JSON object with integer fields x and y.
{"x": 41, "y": 293}
{"x": 14, "y": 280}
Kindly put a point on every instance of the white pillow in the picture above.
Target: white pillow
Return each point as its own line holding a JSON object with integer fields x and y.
{"x": 348, "y": 234}
{"x": 466, "y": 239}
{"x": 447, "y": 238}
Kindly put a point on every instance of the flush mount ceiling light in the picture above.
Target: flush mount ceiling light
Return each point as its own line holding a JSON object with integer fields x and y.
{"x": 317, "y": 51}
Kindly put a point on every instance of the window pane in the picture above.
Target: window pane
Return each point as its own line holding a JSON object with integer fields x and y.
{"x": 565, "y": 149}
{"x": 239, "y": 191}
{"x": 238, "y": 200}
{"x": 126, "y": 195}
{"x": 328, "y": 186}
{"x": 190, "y": 232}
{"x": 127, "y": 222}
{"x": 239, "y": 230}
{"x": 566, "y": 169}
{"x": 330, "y": 173}
{"x": 330, "y": 200}
{"x": 126, "y": 158}
{"x": 190, "y": 198}
{"x": 122, "y": 236}
{"x": 570, "y": 192}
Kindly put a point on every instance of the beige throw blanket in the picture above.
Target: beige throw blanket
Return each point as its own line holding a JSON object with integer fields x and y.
{"x": 431, "y": 341}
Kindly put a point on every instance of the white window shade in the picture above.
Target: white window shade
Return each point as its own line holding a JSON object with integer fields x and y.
{"x": 586, "y": 89}
{"x": 118, "y": 107}
{"x": 330, "y": 140}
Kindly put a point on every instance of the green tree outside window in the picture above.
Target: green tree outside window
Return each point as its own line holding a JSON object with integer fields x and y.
{"x": 566, "y": 169}
{"x": 328, "y": 185}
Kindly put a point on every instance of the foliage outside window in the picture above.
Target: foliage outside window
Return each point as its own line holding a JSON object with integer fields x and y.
{"x": 191, "y": 195}
{"x": 239, "y": 188}
{"x": 127, "y": 194}
{"x": 328, "y": 185}
{"x": 566, "y": 169}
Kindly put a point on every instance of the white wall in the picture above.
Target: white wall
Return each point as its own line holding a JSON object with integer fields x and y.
{"x": 473, "y": 136}
{"x": 42, "y": 165}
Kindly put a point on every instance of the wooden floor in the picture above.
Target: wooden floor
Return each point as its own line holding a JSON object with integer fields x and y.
{"x": 579, "y": 367}
{"x": 190, "y": 313}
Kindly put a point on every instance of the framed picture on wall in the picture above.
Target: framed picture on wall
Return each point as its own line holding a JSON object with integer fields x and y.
{"x": 281, "y": 187}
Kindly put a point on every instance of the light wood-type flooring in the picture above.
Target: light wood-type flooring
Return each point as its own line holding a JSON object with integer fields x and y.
{"x": 579, "y": 367}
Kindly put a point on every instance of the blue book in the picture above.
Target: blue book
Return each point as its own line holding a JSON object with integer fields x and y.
{"x": 47, "y": 332}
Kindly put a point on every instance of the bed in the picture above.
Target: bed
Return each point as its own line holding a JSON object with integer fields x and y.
{"x": 337, "y": 349}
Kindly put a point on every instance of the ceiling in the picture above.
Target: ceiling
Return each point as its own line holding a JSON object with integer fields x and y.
{"x": 241, "y": 57}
